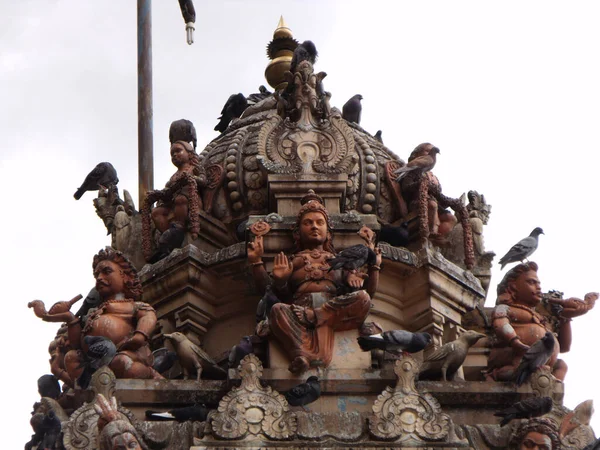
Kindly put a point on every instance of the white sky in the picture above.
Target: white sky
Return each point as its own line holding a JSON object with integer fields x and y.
{"x": 508, "y": 90}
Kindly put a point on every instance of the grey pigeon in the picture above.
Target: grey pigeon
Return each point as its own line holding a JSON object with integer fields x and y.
{"x": 522, "y": 249}
{"x": 187, "y": 10}
{"x": 265, "y": 304}
{"x": 195, "y": 412}
{"x": 352, "y": 258}
{"x": 104, "y": 175}
{"x": 92, "y": 300}
{"x": 395, "y": 235}
{"x": 378, "y": 136}
{"x": 352, "y": 109}
{"x": 526, "y": 409}
{"x": 48, "y": 386}
{"x": 47, "y": 428}
{"x": 449, "y": 357}
{"x": 233, "y": 108}
{"x": 193, "y": 359}
{"x": 164, "y": 359}
{"x": 304, "y": 52}
{"x": 537, "y": 355}
{"x": 304, "y": 393}
{"x": 183, "y": 130}
{"x": 100, "y": 353}
{"x": 259, "y": 96}
{"x": 168, "y": 241}
{"x": 422, "y": 159}
{"x": 395, "y": 341}
{"x": 239, "y": 351}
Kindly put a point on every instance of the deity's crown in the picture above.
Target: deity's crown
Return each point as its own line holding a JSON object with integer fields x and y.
{"x": 312, "y": 202}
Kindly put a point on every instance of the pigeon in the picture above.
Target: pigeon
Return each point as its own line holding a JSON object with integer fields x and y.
{"x": 234, "y": 107}
{"x": 526, "y": 409}
{"x": 168, "y": 241}
{"x": 183, "y": 130}
{"x": 395, "y": 341}
{"x": 92, "y": 300}
{"x": 304, "y": 393}
{"x": 265, "y": 304}
{"x": 352, "y": 109}
{"x": 352, "y": 258}
{"x": 378, "y": 136}
{"x": 449, "y": 357}
{"x": 195, "y": 412}
{"x": 47, "y": 430}
{"x": 103, "y": 176}
{"x": 48, "y": 386}
{"x": 522, "y": 249}
{"x": 593, "y": 446}
{"x": 422, "y": 159}
{"x": 304, "y": 52}
{"x": 239, "y": 351}
{"x": 395, "y": 235}
{"x": 263, "y": 93}
{"x": 164, "y": 359}
{"x": 537, "y": 355}
{"x": 187, "y": 11}
{"x": 100, "y": 353}
{"x": 193, "y": 359}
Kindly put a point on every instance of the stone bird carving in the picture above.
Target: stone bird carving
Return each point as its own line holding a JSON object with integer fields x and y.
{"x": 193, "y": 359}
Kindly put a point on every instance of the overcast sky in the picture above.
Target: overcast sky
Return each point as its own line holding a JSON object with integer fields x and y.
{"x": 508, "y": 91}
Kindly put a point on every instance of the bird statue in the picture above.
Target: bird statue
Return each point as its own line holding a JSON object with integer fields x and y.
{"x": 265, "y": 304}
{"x": 102, "y": 177}
{"x": 522, "y": 249}
{"x": 526, "y": 409}
{"x": 183, "y": 130}
{"x": 352, "y": 109}
{"x": 164, "y": 359}
{"x": 194, "y": 412}
{"x": 534, "y": 358}
{"x": 193, "y": 359}
{"x": 352, "y": 258}
{"x": 235, "y": 105}
{"x": 304, "y": 52}
{"x": 304, "y": 393}
{"x": 395, "y": 341}
{"x": 48, "y": 386}
{"x": 422, "y": 159}
{"x": 449, "y": 357}
{"x": 100, "y": 352}
{"x": 239, "y": 351}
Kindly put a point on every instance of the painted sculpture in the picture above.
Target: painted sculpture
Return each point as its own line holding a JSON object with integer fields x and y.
{"x": 316, "y": 301}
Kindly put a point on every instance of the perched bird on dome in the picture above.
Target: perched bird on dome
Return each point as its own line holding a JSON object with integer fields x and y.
{"x": 103, "y": 176}
{"x": 304, "y": 52}
{"x": 235, "y": 105}
{"x": 193, "y": 359}
{"x": 534, "y": 358}
{"x": 522, "y": 249}
{"x": 526, "y": 409}
{"x": 378, "y": 136}
{"x": 395, "y": 341}
{"x": 48, "y": 386}
{"x": 304, "y": 393}
{"x": 183, "y": 130}
{"x": 353, "y": 258}
{"x": 352, "y": 109}
{"x": 422, "y": 159}
{"x": 262, "y": 93}
{"x": 239, "y": 351}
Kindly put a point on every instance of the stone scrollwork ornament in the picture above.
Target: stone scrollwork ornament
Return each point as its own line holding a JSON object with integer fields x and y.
{"x": 252, "y": 409}
{"x": 404, "y": 414}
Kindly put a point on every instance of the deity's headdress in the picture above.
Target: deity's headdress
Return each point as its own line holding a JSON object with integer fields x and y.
{"x": 312, "y": 202}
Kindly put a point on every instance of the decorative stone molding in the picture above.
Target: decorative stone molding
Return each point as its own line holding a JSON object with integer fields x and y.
{"x": 402, "y": 413}
{"x": 252, "y": 409}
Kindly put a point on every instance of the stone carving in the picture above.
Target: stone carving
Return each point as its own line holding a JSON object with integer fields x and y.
{"x": 316, "y": 301}
{"x": 404, "y": 414}
{"x": 119, "y": 317}
{"x": 114, "y": 431}
{"x": 253, "y": 410}
{"x": 536, "y": 433}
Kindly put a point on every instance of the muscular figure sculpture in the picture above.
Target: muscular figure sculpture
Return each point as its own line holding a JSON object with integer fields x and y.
{"x": 316, "y": 302}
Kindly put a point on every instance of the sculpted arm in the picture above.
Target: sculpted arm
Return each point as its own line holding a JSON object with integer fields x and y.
{"x": 146, "y": 323}
{"x": 504, "y": 330}
{"x": 257, "y": 266}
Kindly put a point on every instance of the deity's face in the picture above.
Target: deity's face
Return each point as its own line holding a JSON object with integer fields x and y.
{"x": 313, "y": 229}
{"x": 179, "y": 155}
{"x": 536, "y": 441}
{"x": 126, "y": 441}
{"x": 527, "y": 288}
{"x": 110, "y": 280}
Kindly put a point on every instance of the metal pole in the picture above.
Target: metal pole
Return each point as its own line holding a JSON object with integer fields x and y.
{"x": 145, "y": 140}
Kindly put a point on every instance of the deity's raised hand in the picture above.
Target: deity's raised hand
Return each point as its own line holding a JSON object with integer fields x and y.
{"x": 282, "y": 268}
{"x": 573, "y": 307}
{"x": 59, "y": 312}
{"x": 256, "y": 250}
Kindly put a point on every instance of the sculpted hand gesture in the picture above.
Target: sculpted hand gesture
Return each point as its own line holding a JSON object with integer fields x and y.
{"x": 356, "y": 279}
{"x": 255, "y": 250}
{"x": 282, "y": 268}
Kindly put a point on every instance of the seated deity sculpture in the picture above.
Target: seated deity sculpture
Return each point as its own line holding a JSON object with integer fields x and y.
{"x": 518, "y": 324}
{"x": 119, "y": 317}
{"x": 315, "y": 301}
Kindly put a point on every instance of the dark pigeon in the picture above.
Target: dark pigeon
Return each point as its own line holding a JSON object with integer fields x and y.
{"x": 395, "y": 341}
{"x": 304, "y": 52}
{"x": 171, "y": 239}
{"x": 48, "y": 386}
{"x": 353, "y": 258}
{"x": 164, "y": 359}
{"x": 526, "y": 409}
{"x": 104, "y": 175}
{"x": 46, "y": 432}
{"x": 395, "y": 235}
{"x": 260, "y": 96}
{"x": 100, "y": 353}
{"x": 522, "y": 249}
{"x": 265, "y": 304}
{"x": 92, "y": 300}
{"x": 537, "y": 355}
{"x": 195, "y": 412}
{"x": 234, "y": 107}
{"x": 378, "y": 136}
{"x": 352, "y": 109}
{"x": 304, "y": 393}
{"x": 239, "y": 351}
{"x": 187, "y": 10}
{"x": 183, "y": 130}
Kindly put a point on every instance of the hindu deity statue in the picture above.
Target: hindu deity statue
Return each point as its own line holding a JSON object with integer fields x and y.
{"x": 120, "y": 317}
{"x": 315, "y": 300}
{"x": 536, "y": 434}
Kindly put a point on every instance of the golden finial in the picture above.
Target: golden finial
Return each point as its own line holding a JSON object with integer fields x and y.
{"x": 280, "y": 51}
